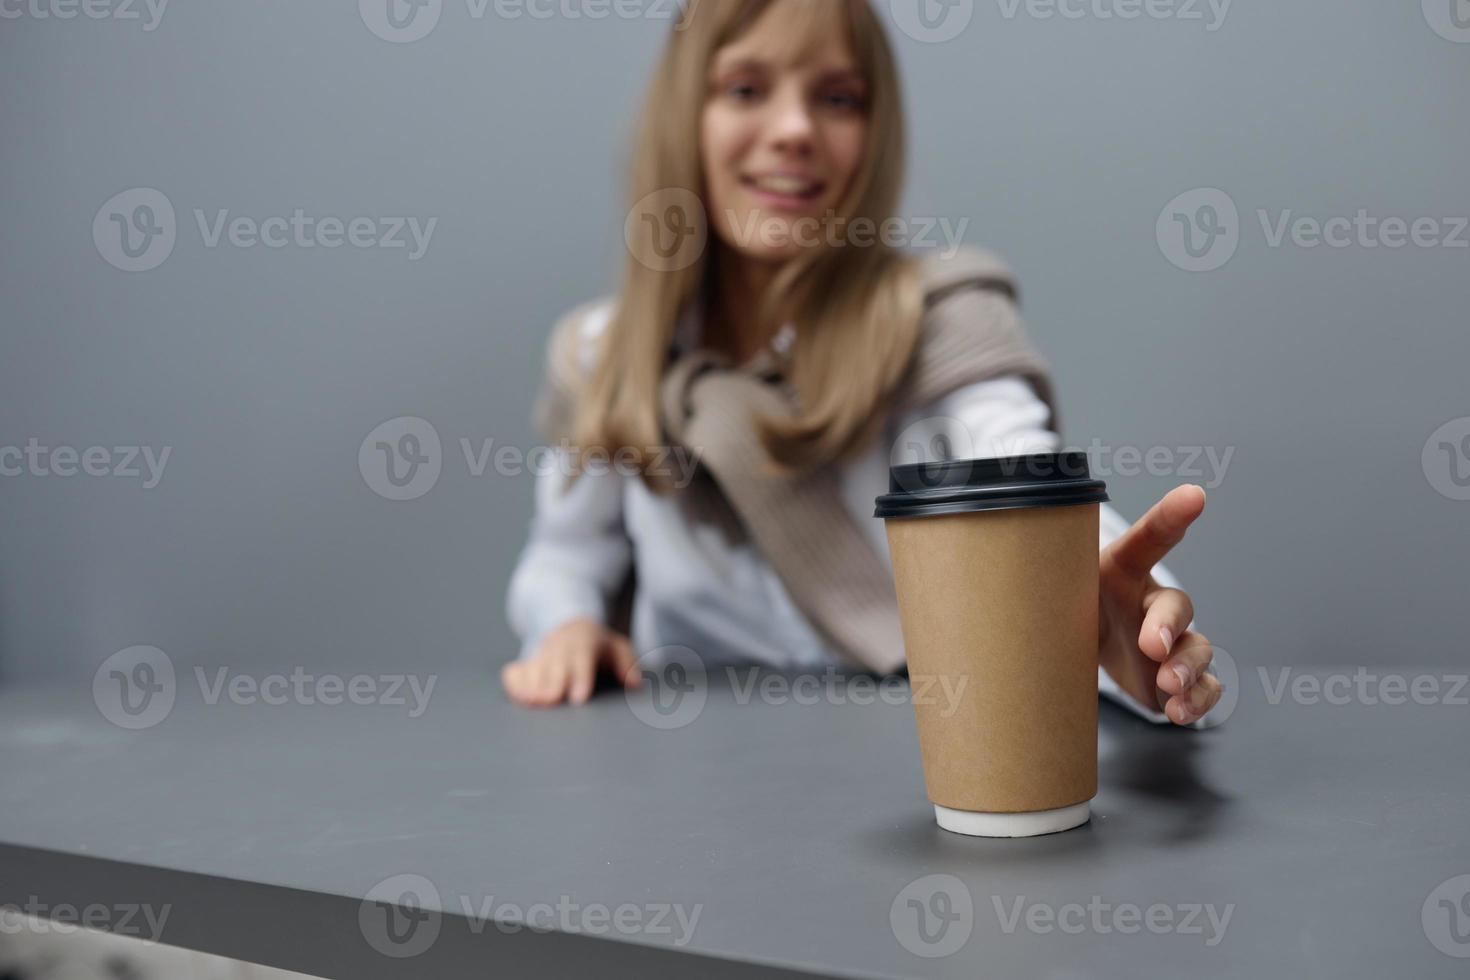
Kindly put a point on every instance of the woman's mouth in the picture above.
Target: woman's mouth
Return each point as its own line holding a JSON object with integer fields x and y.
{"x": 785, "y": 191}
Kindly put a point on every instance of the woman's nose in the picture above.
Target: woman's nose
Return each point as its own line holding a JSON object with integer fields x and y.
{"x": 791, "y": 127}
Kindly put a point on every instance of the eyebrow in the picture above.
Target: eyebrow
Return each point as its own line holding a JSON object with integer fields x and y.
{"x": 749, "y": 63}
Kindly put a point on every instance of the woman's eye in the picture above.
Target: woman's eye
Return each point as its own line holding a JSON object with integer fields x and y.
{"x": 742, "y": 91}
{"x": 844, "y": 101}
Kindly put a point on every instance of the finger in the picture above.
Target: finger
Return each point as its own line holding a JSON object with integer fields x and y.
{"x": 582, "y": 672}
{"x": 1145, "y": 544}
{"x": 625, "y": 662}
{"x": 1192, "y": 654}
{"x": 511, "y": 678}
{"x": 1168, "y": 613}
{"x": 1192, "y": 704}
{"x": 558, "y": 674}
{"x": 548, "y": 679}
{"x": 531, "y": 677}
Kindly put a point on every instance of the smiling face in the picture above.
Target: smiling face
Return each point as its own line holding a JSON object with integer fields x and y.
{"x": 783, "y": 131}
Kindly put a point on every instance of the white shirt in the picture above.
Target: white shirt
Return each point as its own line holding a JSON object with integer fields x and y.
{"x": 723, "y": 600}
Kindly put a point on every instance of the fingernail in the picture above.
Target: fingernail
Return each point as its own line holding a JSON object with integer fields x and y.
{"x": 1186, "y": 715}
{"x": 1167, "y": 636}
{"x": 1185, "y": 675}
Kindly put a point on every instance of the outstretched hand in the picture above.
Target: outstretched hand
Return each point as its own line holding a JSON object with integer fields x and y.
{"x": 1144, "y": 639}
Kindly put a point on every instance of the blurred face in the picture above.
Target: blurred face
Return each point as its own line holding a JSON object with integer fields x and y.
{"x": 783, "y": 132}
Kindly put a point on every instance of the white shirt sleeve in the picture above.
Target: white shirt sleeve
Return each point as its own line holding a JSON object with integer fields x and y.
{"x": 576, "y": 556}
{"x": 578, "y": 551}
{"x": 1005, "y": 417}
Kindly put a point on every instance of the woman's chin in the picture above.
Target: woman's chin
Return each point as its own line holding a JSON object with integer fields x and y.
{"x": 770, "y": 254}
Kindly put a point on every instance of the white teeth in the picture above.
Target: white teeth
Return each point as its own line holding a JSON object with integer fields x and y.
{"x": 784, "y": 185}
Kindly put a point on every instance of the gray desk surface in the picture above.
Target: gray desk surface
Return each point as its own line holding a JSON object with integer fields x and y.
{"x": 793, "y": 829}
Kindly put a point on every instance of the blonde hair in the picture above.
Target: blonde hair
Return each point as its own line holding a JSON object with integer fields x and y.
{"x": 857, "y": 308}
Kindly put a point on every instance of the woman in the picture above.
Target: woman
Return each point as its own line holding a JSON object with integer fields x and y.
{"x": 786, "y": 341}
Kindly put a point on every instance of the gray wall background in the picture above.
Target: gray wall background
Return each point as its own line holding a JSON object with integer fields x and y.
{"x": 1059, "y": 139}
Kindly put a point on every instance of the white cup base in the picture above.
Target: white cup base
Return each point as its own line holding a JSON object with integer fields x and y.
{"x": 1034, "y": 824}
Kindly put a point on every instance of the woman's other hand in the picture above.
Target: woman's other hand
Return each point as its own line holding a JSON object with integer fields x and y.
{"x": 566, "y": 665}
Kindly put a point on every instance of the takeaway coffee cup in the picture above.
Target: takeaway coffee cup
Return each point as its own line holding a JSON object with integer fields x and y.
{"x": 995, "y": 563}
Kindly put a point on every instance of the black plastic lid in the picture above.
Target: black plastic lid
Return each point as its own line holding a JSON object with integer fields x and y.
{"x": 959, "y": 486}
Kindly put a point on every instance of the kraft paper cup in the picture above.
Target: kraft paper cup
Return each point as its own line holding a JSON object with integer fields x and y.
{"x": 995, "y": 564}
